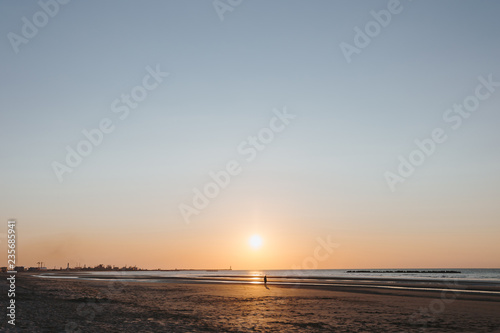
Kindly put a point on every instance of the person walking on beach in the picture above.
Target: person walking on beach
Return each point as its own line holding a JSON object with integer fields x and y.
{"x": 265, "y": 279}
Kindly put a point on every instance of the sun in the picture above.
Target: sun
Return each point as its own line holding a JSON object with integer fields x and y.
{"x": 255, "y": 241}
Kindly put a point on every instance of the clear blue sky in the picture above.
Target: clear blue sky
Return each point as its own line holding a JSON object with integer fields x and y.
{"x": 324, "y": 174}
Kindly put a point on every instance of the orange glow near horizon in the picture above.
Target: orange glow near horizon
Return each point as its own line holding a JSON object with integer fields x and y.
{"x": 224, "y": 238}
{"x": 283, "y": 246}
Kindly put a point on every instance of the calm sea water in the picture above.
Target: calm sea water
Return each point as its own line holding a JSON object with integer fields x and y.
{"x": 479, "y": 275}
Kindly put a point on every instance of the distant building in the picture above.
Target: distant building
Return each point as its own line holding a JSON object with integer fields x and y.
{"x": 3, "y": 269}
{"x": 19, "y": 268}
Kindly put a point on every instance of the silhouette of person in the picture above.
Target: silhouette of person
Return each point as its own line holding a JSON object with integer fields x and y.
{"x": 265, "y": 279}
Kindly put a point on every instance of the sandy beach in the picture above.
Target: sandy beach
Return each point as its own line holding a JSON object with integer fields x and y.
{"x": 72, "y": 305}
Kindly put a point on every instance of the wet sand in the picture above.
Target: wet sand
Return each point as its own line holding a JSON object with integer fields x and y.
{"x": 71, "y": 305}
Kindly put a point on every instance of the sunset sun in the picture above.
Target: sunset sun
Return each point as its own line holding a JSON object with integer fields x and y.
{"x": 255, "y": 241}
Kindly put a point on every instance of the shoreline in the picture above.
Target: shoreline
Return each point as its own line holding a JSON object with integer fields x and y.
{"x": 490, "y": 290}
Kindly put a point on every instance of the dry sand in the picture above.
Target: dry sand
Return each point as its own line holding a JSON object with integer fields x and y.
{"x": 68, "y": 305}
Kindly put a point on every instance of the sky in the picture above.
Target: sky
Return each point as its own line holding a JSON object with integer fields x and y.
{"x": 346, "y": 134}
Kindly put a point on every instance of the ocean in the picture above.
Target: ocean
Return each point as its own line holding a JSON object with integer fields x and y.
{"x": 431, "y": 274}
{"x": 459, "y": 275}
